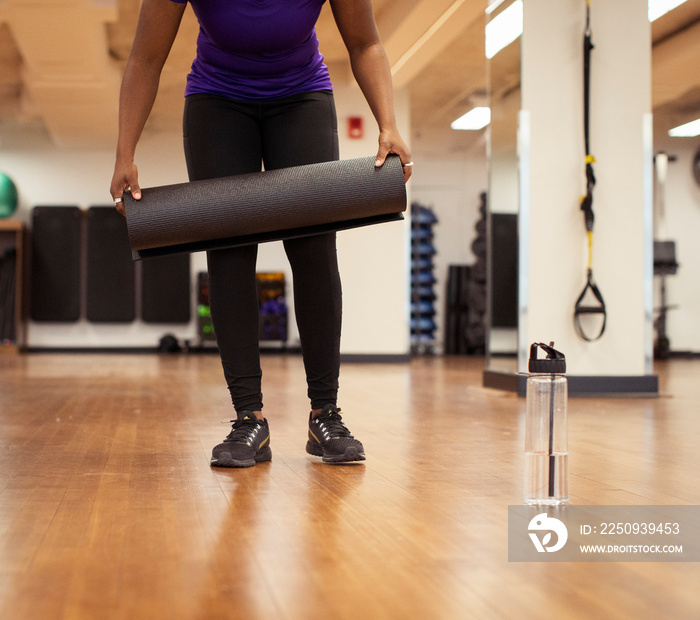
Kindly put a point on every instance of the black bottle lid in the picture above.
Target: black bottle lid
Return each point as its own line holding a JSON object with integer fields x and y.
{"x": 553, "y": 364}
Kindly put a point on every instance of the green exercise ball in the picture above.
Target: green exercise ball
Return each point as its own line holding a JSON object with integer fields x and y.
{"x": 8, "y": 196}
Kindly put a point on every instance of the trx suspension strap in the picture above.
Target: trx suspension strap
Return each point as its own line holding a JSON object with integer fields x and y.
{"x": 597, "y": 305}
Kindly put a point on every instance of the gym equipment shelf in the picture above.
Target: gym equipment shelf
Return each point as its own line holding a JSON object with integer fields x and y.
{"x": 422, "y": 280}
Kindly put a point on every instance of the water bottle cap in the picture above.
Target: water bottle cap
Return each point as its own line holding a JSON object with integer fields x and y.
{"x": 553, "y": 364}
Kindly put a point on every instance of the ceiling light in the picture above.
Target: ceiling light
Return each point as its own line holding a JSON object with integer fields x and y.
{"x": 493, "y": 5}
{"x": 503, "y": 29}
{"x": 689, "y": 130}
{"x": 476, "y": 118}
{"x": 657, "y": 8}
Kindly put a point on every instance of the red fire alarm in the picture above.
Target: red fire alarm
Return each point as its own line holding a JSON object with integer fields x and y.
{"x": 355, "y": 128}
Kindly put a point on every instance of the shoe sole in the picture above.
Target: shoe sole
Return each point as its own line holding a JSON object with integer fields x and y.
{"x": 224, "y": 459}
{"x": 350, "y": 455}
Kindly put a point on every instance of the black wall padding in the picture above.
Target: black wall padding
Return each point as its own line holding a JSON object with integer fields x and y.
{"x": 55, "y": 264}
{"x": 165, "y": 289}
{"x": 264, "y": 206}
{"x": 111, "y": 294}
{"x": 504, "y": 270}
{"x": 8, "y": 286}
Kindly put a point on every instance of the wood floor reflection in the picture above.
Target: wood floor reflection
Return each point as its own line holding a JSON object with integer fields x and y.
{"x": 109, "y": 508}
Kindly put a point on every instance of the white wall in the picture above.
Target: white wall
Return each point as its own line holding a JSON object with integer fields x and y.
{"x": 373, "y": 260}
{"x": 451, "y": 187}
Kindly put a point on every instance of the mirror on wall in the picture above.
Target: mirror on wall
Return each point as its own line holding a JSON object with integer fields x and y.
{"x": 503, "y": 75}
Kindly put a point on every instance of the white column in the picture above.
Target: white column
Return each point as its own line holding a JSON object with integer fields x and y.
{"x": 552, "y": 177}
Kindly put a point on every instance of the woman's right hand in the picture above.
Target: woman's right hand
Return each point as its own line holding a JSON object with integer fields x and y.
{"x": 158, "y": 24}
{"x": 126, "y": 177}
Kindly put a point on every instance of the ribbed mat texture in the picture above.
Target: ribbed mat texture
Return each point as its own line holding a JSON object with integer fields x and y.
{"x": 264, "y": 206}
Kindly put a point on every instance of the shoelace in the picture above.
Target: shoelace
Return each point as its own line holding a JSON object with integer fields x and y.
{"x": 332, "y": 426}
{"x": 243, "y": 431}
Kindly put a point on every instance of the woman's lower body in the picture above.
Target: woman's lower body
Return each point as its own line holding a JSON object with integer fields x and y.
{"x": 224, "y": 137}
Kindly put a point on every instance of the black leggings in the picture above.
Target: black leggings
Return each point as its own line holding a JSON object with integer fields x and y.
{"x": 223, "y": 137}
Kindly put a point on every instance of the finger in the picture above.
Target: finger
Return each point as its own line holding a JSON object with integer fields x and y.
{"x": 119, "y": 204}
{"x": 381, "y": 156}
{"x": 136, "y": 192}
{"x": 407, "y": 167}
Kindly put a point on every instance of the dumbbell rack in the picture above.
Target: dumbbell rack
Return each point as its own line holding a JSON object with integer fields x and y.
{"x": 422, "y": 280}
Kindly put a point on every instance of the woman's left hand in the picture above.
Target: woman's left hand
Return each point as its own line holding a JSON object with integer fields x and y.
{"x": 370, "y": 66}
{"x": 391, "y": 142}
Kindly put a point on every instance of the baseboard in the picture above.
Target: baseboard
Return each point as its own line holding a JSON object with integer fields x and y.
{"x": 374, "y": 358}
{"x": 644, "y": 386}
{"x": 348, "y": 358}
{"x": 85, "y": 350}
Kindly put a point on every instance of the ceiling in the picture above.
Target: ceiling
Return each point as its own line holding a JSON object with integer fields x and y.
{"x": 61, "y": 62}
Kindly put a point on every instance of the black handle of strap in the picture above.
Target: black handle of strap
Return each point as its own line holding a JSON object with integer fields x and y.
{"x": 581, "y": 309}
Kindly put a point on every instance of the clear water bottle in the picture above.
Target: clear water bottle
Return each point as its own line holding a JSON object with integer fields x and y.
{"x": 546, "y": 451}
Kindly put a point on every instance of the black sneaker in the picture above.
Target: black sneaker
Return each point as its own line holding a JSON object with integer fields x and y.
{"x": 330, "y": 438}
{"x": 248, "y": 443}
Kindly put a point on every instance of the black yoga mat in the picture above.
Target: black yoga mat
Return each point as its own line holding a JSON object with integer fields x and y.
{"x": 264, "y": 206}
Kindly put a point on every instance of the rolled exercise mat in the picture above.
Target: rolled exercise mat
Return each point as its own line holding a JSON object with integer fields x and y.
{"x": 264, "y": 206}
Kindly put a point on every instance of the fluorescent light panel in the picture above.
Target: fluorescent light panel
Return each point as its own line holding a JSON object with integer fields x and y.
{"x": 657, "y": 8}
{"x": 689, "y": 130}
{"x": 493, "y": 5}
{"x": 476, "y": 118}
{"x": 504, "y": 28}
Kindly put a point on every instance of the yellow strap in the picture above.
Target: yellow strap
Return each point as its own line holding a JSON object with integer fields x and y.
{"x": 590, "y": 250}
{"x": 590, "y": 159}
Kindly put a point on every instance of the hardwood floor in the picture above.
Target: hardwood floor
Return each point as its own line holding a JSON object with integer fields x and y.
{"x": 109, "y": 509}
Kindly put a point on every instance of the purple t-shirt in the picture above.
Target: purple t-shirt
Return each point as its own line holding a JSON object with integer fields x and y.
{"x": 257, "y": 49}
